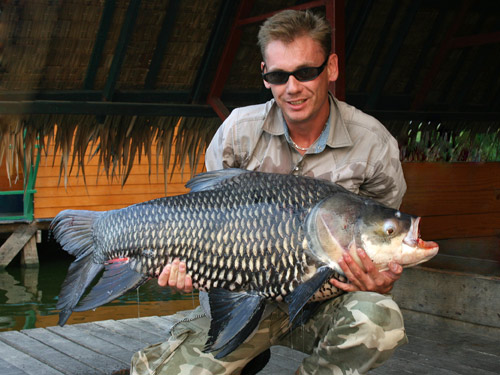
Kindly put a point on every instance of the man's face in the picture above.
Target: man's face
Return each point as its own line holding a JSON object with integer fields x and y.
{"x": 301, "y": 102}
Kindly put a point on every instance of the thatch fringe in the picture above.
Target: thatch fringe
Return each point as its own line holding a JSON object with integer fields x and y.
{"x": 11, "y": 146}
{"x": 118, "y": 143}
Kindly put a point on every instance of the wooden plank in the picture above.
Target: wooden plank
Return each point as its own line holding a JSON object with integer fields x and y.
{"x": 94, "y": 362}
{"x": 446, "y": 202}
{"x": 93, "y": 172}
{"x": 479, "y": 247}
{"x": 133, "y": 179}
{"x": 465, "y": 337}
{"x": 450, "y": 356}
{"x": 72, "y": 201}
{"x": 129, "y": 331}
{"x": 86, "y": 340}
{"x": 413, "y": 363}
{"x": 452, "y": 176}
{"x": 465, "y": 264}
{"x": 91, "y": 189}
{"x": 460, "y": 226}
{"x": 449, "y": 294}
{"x": 27, "y": 364}
{"x": 129, "y": 344}
{"x": 9, "y": 369}
{"x": 39, "y": 357}
{"x": 15, "y": 243}
{"x": 146, "y": 326}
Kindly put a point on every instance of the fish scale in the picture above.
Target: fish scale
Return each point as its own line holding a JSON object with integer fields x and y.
{"x": 246, "y": 237}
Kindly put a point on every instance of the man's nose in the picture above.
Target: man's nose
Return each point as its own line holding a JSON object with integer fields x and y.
{"x": 293, "y": 85}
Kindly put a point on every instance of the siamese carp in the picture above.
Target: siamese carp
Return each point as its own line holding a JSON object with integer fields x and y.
{"x": 246, "y": 237}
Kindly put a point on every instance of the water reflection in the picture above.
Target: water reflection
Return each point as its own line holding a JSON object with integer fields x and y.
{"x": 28, "y": 298}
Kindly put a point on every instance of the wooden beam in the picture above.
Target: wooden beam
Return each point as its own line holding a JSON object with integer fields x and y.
{"x": 424, "y": 52}
{"x": 100, "y": 41}
{"x": 358, "y": 25}
{"x": 441, "y": 53}
{"x": 15, "y": 243}
{"x": 121, "y": 48}
{"x": 213, "y": 50}
{"x": 105, "y": 108}
{"x": 219, "y": 107}
{"x": 392, "y": 54}
{"x": 137, "y": 96}
{"x": 161, "y": 43}
{"x": 380, "y": 43}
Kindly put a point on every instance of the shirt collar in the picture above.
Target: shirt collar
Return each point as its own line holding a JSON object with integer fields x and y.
{"x": 338, "y": 135}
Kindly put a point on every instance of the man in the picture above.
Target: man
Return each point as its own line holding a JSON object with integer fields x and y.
{"x": 303, "y": 130}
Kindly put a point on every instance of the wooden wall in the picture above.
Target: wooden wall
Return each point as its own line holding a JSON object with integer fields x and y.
{"x": 460, "y": 208}
{"x": 101, "y": 193}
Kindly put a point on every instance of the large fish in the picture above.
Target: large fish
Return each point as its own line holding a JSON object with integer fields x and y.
{"x": 246, "y": 237}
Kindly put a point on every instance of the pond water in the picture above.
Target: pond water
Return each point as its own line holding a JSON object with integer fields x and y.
{"x": 28, "y": 298}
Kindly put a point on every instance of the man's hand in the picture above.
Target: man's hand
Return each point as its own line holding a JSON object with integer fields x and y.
{"x": 371, "y": 280}
{"x": 174, "y": 275}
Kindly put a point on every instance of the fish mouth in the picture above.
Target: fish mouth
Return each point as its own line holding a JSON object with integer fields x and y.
{"x": 428, "y": 249}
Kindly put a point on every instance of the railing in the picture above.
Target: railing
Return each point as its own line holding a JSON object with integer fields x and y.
{"x": 27, "y": 211}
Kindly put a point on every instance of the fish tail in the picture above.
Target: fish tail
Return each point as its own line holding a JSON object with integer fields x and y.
{"x": 73, "y": 230}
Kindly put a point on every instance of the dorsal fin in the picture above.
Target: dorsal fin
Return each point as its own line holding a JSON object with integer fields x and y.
{"x": 213, "y": 179}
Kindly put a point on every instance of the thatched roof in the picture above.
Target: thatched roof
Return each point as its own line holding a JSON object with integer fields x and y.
{"x": 114, "y": 75}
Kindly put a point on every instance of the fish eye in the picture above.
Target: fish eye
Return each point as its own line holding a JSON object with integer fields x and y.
{"x": 389, "y": 227}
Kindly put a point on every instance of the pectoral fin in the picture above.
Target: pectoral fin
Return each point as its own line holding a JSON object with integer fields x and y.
{"x": 234, "y": 318}
{"x": 303, "y": 293}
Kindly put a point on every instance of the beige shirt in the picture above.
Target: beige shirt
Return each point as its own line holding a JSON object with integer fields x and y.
{"x": 355, "y": 150}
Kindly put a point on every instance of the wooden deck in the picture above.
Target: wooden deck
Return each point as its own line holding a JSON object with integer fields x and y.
{"x": 438, "y": 346}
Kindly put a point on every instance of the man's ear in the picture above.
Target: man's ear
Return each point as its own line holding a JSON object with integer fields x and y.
{"x": 333, "y": 67}
{"x": 266, "y": 84}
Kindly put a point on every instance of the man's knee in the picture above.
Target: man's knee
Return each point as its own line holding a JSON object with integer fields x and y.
{"x": 375, "y": 319}
{"x": 366, "y": 329}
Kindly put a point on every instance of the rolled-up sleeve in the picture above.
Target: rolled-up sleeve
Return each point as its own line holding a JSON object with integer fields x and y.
{"x": 385, "y": 181}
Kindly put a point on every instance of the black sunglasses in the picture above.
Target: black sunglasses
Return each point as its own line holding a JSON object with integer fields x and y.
{"x": 308, "y": 73}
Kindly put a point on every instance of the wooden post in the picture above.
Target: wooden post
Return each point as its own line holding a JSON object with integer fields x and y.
{"x": 29, "y": 256}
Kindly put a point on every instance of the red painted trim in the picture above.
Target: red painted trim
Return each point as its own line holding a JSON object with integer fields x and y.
{"x": 335, "y": 13}
{"x": 226, "y": 61}
{"x": 219, "y": 107}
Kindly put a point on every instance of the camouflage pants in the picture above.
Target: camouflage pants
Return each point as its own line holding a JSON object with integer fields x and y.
{"x": 347, "y": 335}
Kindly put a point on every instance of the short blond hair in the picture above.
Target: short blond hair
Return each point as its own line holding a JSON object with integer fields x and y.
{"x": 287, "y": 25}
